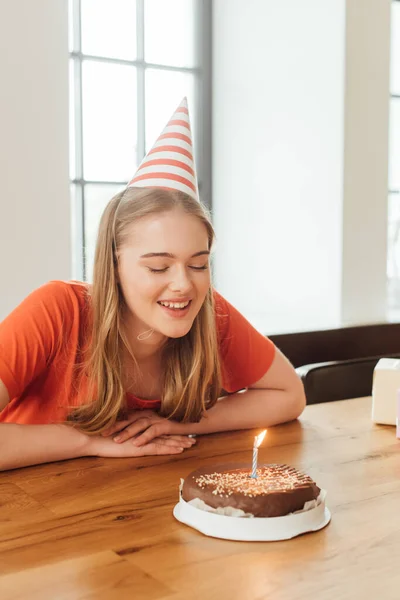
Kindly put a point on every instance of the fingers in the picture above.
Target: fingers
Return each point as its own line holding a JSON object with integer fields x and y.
{"x": 154, "y": 431}
{"x": 183, "y": 438}
{"x": 132, "y": 418}
{"x": 163, "y": 445}
{"x": 115, "y": 428}
{"x": 181, "y": 442}
{"x": 158, "y": 448}
{"x": 146, "y": 428}
{"x": 158, "y": 445}
{"x": 133, "y": 429}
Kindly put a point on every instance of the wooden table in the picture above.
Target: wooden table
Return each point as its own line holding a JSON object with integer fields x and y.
{"x": 103, "y": 528}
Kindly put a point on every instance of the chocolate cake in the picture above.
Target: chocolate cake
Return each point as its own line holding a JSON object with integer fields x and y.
{"x": 278, "y": 489}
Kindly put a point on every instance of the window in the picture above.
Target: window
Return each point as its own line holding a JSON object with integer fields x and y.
{"x": 131, "y": 62}
{"x": 394, "y": 169}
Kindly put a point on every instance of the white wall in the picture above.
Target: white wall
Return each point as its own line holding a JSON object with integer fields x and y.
{"x": 365, "y": 193}
{"x": 300, "y": 156}
{"x": 283, "y": 182}
{"x": 34, "y": 201}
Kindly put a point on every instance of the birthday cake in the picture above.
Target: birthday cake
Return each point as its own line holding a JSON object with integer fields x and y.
{"x": 277, "y": 490}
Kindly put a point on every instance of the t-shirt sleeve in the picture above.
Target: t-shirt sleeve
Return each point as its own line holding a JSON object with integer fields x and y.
{"x": 31, "y": 335}
{"x": 245, "y": 354}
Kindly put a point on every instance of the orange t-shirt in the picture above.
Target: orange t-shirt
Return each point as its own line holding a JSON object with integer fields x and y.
{"x": 42, "y": 339}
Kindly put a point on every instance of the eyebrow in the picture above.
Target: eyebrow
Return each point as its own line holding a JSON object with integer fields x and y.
{"x": 169, "y": 255}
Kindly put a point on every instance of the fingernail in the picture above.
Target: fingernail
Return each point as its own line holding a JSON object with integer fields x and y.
{"x": 117, "y": 438}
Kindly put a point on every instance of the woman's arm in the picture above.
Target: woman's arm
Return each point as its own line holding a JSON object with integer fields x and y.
{"x": 25, "y": 445}
{"x": 277, "y": 397}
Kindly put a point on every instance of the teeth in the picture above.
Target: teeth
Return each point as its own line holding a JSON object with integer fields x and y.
{"x": 175, "y": 304}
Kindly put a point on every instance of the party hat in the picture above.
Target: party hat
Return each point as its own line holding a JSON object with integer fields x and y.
{"x": 169, "y": 164}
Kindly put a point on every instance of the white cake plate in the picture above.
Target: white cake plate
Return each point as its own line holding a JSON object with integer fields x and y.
{"x": 252, "y": 529}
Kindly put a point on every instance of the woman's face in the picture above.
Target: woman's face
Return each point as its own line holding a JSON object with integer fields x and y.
{"x": 164, "y": 274}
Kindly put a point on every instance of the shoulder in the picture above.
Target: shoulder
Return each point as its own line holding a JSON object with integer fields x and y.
{"x": 245, "y": 352}
{"x": 63, "y": 291}
{"x": 220, "y": 304}
{"x": 223, "y": 313}
{"x": 231, "y": 323}
{"x": 56, "y": 299}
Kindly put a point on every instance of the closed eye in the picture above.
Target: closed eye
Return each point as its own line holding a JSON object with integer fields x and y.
{"x": 157, "y": 270}
{"x": 202, "y": 268}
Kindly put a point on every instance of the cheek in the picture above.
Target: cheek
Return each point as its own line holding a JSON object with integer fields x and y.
{"x": 207, "y": 280}
{"x": 140, "y": 288}
{"x": 203, "y": 286}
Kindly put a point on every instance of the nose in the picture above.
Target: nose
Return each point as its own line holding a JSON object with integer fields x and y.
{"x": 181, "y": 281}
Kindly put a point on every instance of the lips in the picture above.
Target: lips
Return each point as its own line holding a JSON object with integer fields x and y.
{"x": 175, "y": 304}
{"x": 175, "y": 311}
{"x": 167, "y": 300}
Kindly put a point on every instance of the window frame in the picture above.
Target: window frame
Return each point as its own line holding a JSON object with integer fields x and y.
{"x": 203, "y": 111}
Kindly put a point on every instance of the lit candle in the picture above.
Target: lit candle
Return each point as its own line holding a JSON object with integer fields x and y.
{"x": 257, "y": 443}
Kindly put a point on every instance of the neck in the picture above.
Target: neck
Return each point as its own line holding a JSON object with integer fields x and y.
{"x": 143, "y": 349}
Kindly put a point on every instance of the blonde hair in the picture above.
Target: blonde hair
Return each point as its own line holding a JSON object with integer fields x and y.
{"x": 191, "y": 379}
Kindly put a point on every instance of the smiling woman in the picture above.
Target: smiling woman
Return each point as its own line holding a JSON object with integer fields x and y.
{"x": 154, "y": 283}
{"x": 134, "y": 363}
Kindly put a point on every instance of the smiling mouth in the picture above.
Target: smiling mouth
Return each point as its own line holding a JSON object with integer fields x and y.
{"x": 175, "y": 306}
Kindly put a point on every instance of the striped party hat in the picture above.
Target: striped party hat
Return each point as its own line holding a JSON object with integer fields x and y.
{"x": 169, "y": 164}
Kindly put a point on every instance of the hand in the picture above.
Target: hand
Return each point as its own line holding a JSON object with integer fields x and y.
{"x": 153, "y": 425}
{"x": 107, "y": 448}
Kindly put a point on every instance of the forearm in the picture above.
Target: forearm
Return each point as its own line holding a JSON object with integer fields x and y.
{"x": 250, "y": 409}
{"x": 24, "y": 445}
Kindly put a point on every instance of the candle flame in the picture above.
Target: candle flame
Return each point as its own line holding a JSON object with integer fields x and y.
{"x": 259, "y": 439}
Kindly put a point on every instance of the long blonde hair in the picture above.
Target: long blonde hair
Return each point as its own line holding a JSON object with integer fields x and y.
{"x": 191, "y": 379}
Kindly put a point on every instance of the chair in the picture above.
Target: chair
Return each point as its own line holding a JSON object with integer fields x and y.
{"x": 336, "y": 364}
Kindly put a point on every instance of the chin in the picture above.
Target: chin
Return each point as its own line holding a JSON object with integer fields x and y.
{"x": 177, "y": 332}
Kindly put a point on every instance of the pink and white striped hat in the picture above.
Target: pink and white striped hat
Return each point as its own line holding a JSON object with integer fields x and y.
{"x": 169, "y": 164}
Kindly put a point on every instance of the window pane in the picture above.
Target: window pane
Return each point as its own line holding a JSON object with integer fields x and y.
{"x": 164, "y": 91}
{"x": 109, "y": 28}
{"x": 97, "y": 197}
{"x": 395, "y": 49}
{"x": 394, "y": 146}
{"x": 109, "y": 121}
{"x": 169, "y": 32}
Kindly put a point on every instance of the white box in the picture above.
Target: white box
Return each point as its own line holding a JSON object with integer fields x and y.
{"x": 385, "y": 384}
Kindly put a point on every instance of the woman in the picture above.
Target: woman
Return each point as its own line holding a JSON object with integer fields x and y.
{"x": 137, "y": 362}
